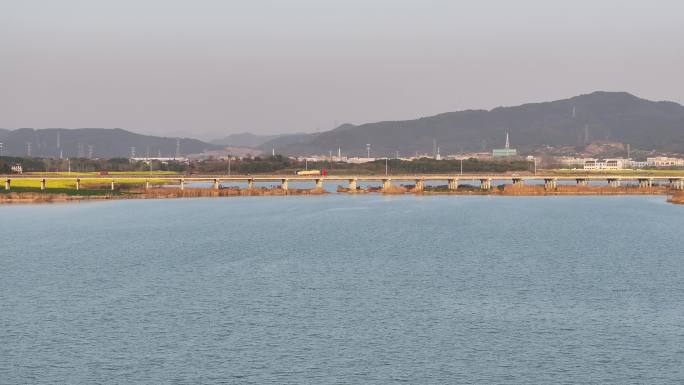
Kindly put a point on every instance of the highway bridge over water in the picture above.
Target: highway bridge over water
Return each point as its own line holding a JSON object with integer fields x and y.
{"x": 550, "y": 181}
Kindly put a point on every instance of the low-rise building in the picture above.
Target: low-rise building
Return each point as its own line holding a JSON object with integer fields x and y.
{"x": 360, "y": 160}
{"x": 638, "y": 164}
{"x": 160, "y": 159}
{"x": 607, "y": 164}
{"x": 572, "y": 161}
{"x": 17, "y": 168}
{"x": 664, "y": 161}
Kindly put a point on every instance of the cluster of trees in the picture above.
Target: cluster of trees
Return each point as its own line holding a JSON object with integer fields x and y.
{"x": 265, "y": 165}
{"x": 429, "y": 165}
{"x": 85, "y": 165}
{"x": 28, "y": 164}
{"x": 256, "y": 165}
{"x": 280, "y": 164}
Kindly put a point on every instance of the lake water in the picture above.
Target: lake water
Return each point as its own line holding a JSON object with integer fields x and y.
{"x": 344, "y": 289}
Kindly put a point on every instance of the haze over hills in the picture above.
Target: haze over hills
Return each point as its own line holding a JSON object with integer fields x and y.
{"x": 244, "y": 139}
{"x": 612, "y": 116}
{"x": 605, "y": 116}
{"x": 104, "y": 143}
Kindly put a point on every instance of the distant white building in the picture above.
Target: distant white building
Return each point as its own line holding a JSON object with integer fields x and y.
{"x": 360, "y": 160}
{"x": 636, "y": 164}
{"x": 469, "y": 155}
{"x": 160, "y": 159}
{"x": 573, "y": 161}
{"x": 664, "y": 161}
{"x": 17, "y": 168}
{"x": 607, "y": 164}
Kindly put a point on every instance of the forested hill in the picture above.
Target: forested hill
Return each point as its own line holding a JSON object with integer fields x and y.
{"x": 103, "y": 143}
{"x": 612, "y": 116}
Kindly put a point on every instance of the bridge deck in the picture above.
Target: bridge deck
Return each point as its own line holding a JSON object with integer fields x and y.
{"x": 404, "y": 177}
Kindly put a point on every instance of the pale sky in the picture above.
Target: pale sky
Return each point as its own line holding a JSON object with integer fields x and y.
{"x": 208, "y": 68}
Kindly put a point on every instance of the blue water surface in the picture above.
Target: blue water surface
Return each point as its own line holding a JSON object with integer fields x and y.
{"x": 344, "y": 290}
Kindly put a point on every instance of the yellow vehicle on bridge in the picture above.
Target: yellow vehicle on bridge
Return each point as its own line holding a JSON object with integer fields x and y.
{"x": 309, "y": 172}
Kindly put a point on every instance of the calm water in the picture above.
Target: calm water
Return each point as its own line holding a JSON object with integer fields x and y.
{"x": 340, "y": 289}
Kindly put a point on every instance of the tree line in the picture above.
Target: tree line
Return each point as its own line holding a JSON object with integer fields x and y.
{"x": 266, "y": 165}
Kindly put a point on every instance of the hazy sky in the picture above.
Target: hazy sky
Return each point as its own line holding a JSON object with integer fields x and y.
{"x": 207, "y": 68}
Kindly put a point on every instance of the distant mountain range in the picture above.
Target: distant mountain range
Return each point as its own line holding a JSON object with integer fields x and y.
{"x": 260, "y": 141}
{"x": 100, "y": 142}
{"x": 609, "y": 116}
{"x": 577, "y": 121}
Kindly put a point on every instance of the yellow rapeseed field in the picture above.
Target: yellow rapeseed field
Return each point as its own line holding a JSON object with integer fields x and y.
{"x": 85, "y": 183}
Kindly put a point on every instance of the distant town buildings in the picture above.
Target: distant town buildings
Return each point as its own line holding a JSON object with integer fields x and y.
{"x": 159, "y": 159}
{"x": 17, "y": 168}
{"x": 618, "y": 163}
{"x": 507, "y": 151}
{"x": 664, "y": 161}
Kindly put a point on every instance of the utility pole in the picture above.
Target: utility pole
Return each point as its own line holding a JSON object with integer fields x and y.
{"x": 1, "y": 148}
{"x": 461, "y": 165}
{"x": 368, "y": 146}
{"x": 229, "y": 166}
{"x": 386, "y": 166}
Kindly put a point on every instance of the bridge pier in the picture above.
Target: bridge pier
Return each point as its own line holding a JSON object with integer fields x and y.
{"x": 216, "y": 184}
{"x": 645, "y": 183}
{"x": 283, "y": 184}
{"x": 550, "y": 183}
{"x": 677, "y": 184}
{"x": 182, "y": 184}
{"x": 420, "y": 185}
{"x": 485, "y": 184}
{"x": 112, "y": 184}
{"x": 452, "y": 184}
{"x": 78, "y": 183}
{"x": 319, "y": 183}
{"x": 614, "y": 182}
{"x": 582, "y": 182}
{"x": 7, "y": 184}
{"x": 386, "y": 184}
{"x": 250, "y": 183}
{"x": 42, "y": 184}
{"x": 147, "y": 184}
{"x": 518, "y": 182}
{"x": 352, "y": 185}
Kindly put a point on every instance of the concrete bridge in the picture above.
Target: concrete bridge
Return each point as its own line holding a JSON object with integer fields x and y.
{"x": 452, "y": 181}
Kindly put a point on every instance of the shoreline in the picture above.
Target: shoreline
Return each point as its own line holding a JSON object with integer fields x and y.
{"x": 33, "y": 197}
